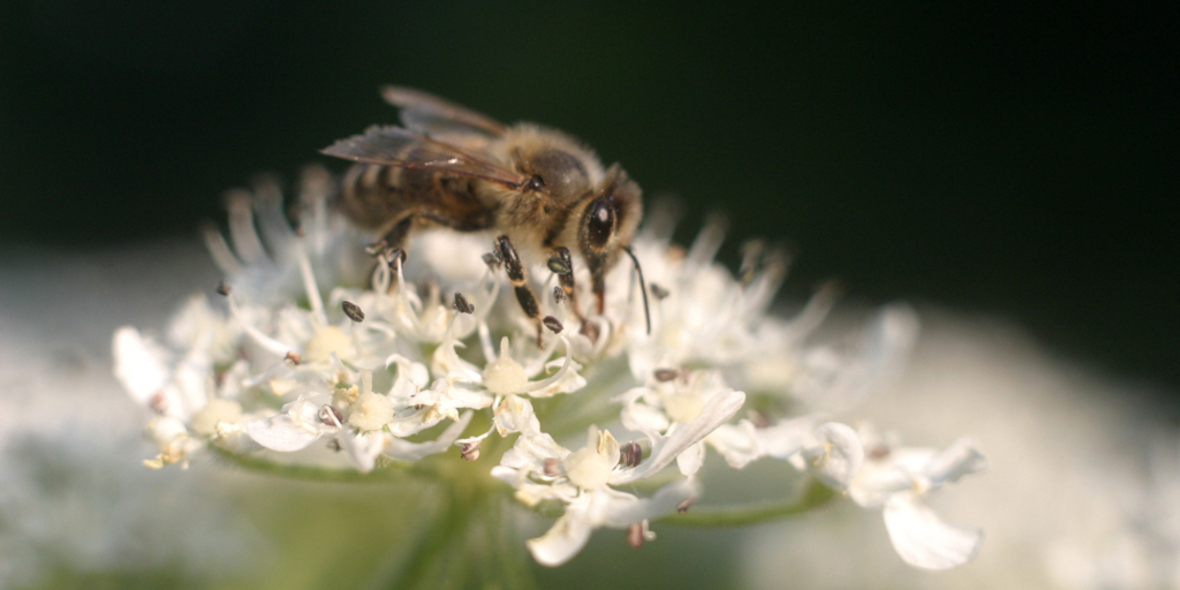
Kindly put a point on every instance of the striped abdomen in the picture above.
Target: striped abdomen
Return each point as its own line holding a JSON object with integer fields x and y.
{"x": 382, "y": 197}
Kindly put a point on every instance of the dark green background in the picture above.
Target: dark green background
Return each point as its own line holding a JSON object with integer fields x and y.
{"x": 1015, "y": 161}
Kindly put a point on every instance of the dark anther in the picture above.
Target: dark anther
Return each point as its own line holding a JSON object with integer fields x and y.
{"x": 334, "y": 445}
{"x": 294, "y": 358}
{"x": 553, "y": 324}
{"x": 660, "y": 292}
{"x": 558, "y": 266}
{"x": 462, "y": 305}
{"x": 591, "y": 331}
{"x": 552, "y": 467}
{"x": 558, "y": 294}
{"x": 759, "y": 419}
{"x": 223, "y": 289}
{"x": 879, "y": 452}
{"x": 353, "y": 311}
{"x": 631, "y": 454}
{"x": 635, "y": 536}
{"x": 665, "y": 375}
{"x": 492, "y": 259}
{"x": 159, "y": 402}
{"x": 684, "y": 506}
{"x": 330, "y": 415}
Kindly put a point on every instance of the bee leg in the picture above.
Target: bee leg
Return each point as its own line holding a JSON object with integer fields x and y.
{"x": 563, "y": 266}
{"x": 396, "y": 235}
{"x": 516, "y": 276}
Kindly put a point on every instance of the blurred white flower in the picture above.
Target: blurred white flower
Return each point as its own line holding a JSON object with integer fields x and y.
{"x": 76, "y": 508}
{"x": 1082, "y": 482}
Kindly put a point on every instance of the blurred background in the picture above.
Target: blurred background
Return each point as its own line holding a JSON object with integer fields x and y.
{"x": 1015, "y": 161}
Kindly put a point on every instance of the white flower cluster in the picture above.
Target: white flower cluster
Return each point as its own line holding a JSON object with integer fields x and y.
{"x": 393, "y": 372}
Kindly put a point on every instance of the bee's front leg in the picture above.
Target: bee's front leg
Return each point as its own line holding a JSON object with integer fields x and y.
{"x": 562, "y": 265}
{"x": 516, "y": 276}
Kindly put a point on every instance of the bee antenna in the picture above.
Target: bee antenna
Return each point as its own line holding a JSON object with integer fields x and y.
{"x": 642, "y": 287}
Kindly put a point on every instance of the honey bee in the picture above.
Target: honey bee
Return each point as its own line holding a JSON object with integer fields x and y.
{"x": 541, "y": 191}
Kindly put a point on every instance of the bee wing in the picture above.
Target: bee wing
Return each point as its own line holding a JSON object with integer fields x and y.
{"x": 395, "y": 146}
{"x": 429, "y": 114}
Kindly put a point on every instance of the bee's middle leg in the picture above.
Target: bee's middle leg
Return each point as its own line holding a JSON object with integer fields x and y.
{"x": 516, "y": 275}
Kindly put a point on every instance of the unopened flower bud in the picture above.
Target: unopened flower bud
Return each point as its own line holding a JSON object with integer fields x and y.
{"x": 470, "y": 450}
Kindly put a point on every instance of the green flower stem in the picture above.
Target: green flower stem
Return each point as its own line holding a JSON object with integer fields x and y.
{"x": 470, "y": 544}
{"x": 438, "y": 561}
{"x": 394, "y": 472}
{"x": 505, "y": 564}
{"x": 814, "y": 496}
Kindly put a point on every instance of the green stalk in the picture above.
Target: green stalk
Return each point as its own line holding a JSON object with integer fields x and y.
{"x": 814, "y": 496}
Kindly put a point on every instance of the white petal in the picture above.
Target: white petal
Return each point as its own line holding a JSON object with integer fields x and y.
{"x": 643, "y": 418}
{"x": 363, "y": 448}
{"x": 691, "y": 459}
{"x": 923, "y": 540}
{"x": 842, "y": 457}
{"x": 238, "y": 443}
{"x": 538, "y": 448}
{"x": 570, "y": 382}
{"x": 718, "y": 410}
{"x": 282, "y": 433}
{"x": 604, "y": 507}
{"x": 566, "y": 380}
{"x": 736, "y": 443}
{"x": 515, "y": 414}
{"x": 786, "y": 438}
{"x": 744, "y": 443}
{"x": 140, "y": 365}
{"x": 624, "y": 510}
{"x": 873, "y": 486}
{"x": 164, "y": 429}
{"x": 566, "y": 538}
{"x": 959, "y": 459}
{"x": 402, "y": 450}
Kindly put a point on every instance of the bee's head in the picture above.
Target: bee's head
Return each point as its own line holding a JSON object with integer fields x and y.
{"x": 608, "y": 223}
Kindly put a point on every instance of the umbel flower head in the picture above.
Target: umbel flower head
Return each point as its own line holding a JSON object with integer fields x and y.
{"x": 320, "y": 357}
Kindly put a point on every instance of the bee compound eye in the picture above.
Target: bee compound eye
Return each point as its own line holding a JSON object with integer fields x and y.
{"x": 600, "y": 221}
